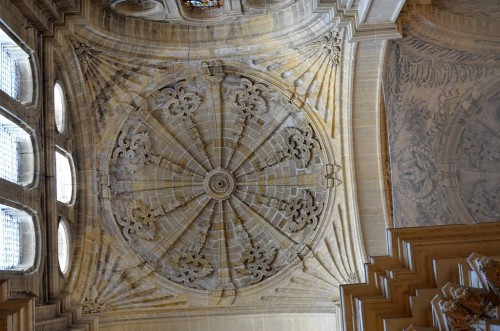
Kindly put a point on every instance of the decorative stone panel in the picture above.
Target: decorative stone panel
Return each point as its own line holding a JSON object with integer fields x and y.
{"x": 444, "y": 133}
{"x": 218, "y": 183}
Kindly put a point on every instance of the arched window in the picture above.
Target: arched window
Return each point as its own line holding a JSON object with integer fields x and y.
{"x": 59, "y": 107}
{"x": 16, "y": 153}
{"x": 17, "y": 239}
{"x": 15, "y": 70}
{"x": 63, "y": 247}
{"x": 64, "y": 177}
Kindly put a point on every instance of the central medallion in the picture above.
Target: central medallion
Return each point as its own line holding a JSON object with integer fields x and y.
{"x": 219, "y": 184}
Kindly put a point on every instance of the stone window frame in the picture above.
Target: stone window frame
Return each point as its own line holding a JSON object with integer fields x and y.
{"x": 27, "y": 143}
{"x": 26, "y": 67}
{"x": 23, "y": 114}
{"x": 64, "y": 107}
{"x": 64, "y": 224}
{"x": 63, "y": 143}
{"x": 69, "y": 157}
{"x": 31, "y": 250}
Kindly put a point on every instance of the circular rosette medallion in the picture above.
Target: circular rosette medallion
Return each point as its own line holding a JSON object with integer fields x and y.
{"x": 219, "y": 184}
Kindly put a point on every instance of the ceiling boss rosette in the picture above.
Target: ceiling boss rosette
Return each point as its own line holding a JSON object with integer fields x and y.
{"x": 218, "y": 182}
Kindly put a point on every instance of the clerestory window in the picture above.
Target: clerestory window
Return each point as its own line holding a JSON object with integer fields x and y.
{"x": 15, "y": 70}
{"x": 64, "y": 177}
{"x": 17, "y": 239}
{"x": 59, "y": 107}
{"x": 16, "y": 153}
{"x": 63, "y": 246}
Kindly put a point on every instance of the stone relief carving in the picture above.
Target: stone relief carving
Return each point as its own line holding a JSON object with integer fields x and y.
{"x": 135, "y": 149}
{"x": 490, "y": 270}
{"x": 140, "y": 220}
{"x": 304, "y": 212}
{"x": 332, "y": 173}
{"x": 91, "y": 303}
{"x": 84, "y": 54}
{"x": 331, "y": 44}
{"x": 447, "y": 138}
{"x": 255, "y": 261}
{"x": 184, "y": 210}
{"x": 300, "y": 148}
{"x": 298, "y": 212}
{"x": 189, "y": 267}
{"x": 178, "y": 103}
{"x": 247, "y": 100}
{"x": 258, "y": 263}
{"x": 469, "y": 308}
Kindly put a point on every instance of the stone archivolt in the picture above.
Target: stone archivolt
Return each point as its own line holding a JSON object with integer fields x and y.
{"x": 186, "y": 193}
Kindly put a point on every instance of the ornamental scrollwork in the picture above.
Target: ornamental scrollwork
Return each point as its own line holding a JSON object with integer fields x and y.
{"x": 176, "y": 102}
{"x": 257, "y": 262}
{"x": 304, "y": 212}
{"x": 140, "y": 220}
{"x": 248, "y": 100}
{"x": 331, "y": 45}
{"x": 135, "y": 149}
{"x": 189, "y": 267}
{"x": 300, "y": 146}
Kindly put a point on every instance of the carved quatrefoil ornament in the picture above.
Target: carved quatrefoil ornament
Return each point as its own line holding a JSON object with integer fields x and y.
{"x": 219, "y": 195}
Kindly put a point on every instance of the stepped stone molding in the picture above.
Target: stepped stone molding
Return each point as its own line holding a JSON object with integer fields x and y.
{"x": 383, "y": 301}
